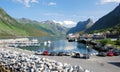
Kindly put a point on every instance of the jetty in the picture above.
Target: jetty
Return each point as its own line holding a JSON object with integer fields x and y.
{"x": 19, "y": 42}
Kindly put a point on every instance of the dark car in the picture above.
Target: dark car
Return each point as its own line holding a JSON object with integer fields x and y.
{"x": 53, "y": 54}
{"x": 107, "y": 48}
{"x": 61, "y": 54}
{"x": 102, "y": 54}
{"x": 116, "y": 52}
{"x": 45, "y": 53}
{"x": 86, "y": 56}
{"x": 77, "y": 55}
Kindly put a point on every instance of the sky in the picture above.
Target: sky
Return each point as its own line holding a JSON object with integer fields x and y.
{"x": 65, "y": 12}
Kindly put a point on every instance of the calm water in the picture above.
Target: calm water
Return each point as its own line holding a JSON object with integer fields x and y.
{"x": 59, "y": 44}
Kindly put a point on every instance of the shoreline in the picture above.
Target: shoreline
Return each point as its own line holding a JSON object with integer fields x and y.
{"x": 95, "y": 63}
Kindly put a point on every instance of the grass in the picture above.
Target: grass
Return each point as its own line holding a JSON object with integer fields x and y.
{"x": 11, "y": 31}
{"x": 110, "y": 42}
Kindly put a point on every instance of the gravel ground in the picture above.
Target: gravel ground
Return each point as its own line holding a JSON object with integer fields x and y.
{"x": 95, "y": 63}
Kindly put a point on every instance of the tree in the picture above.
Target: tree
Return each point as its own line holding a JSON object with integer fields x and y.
{"x": 118, "y": 42}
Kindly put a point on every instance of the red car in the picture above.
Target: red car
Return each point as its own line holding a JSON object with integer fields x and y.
{"x": 45, "y": 53}
{"x": 110, "y": 53}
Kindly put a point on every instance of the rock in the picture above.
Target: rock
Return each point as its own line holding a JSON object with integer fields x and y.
{"x": 86, "y": 70}
{"x": 21, "y": 62}
{"x": 59, "y": 64}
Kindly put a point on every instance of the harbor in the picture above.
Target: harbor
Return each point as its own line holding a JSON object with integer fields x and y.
{"x": 22, "y": 42}
{"x": 37, "y": 58}
{"x": 60, "y": 36}
{"x": 42, "y": 44}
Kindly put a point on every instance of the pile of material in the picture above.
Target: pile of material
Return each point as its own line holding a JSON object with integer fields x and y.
{"x": 13, "y": 61}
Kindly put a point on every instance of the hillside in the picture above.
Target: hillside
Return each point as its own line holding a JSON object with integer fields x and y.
{"x": 55, "y": 28}
{"x": 9, "y": 26}
{"x": 81, "y": 26}
{"x": 48, "y": 26}
{"x": 110, "y": 20}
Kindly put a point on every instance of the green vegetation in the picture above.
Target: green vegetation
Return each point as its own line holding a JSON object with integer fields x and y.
{"x": 6, "y": 30}
{"x": 10, "y": 27}
{"x": 113, "y": 30}
{"x": 34, "y": 30}
{"x": 117, "y": 43}
{"x": 106, "y": 41}
{"x": 110, "y": 42}
{"x": 43, "y": 29}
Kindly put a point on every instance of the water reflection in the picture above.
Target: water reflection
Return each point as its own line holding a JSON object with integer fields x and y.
{"x": 60, "y": 45}
{"x": 63, "y": 45}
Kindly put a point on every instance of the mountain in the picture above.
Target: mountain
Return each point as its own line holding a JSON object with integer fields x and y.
{"x": 9, "y": 26}
{"x": 110, "y": 20}
{"x": 48, "y": 26}
{"x": 55, "y": 28}
{"x": 81, "y": 26}
{"x": 26, "y": 20}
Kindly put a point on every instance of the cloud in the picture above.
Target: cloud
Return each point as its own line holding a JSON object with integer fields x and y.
{"x": 34, "y": 1}
{"x": 51, "y": 4}
{"x": 109, "y": 1}
{"x": 66, "y": 23}
{"x": 27, "y": 3}
{"x": 53, "y": 14}
{"x": 60, "y": 22}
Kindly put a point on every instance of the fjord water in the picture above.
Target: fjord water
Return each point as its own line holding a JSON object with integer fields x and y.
{"x": 59, "y": 44}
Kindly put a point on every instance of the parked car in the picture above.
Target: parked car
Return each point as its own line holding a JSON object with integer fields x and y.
{"x": 110, "y": 53}
{"x": 61, "y": 54}
{"x": 38, "y": 52}
{"x": 53, "y": 54}
{"x": 86, "y": 56}
{"x": 116, "y": 52}
{"x": 45, "y": 53}
{"x": 68, "y": 53}
{"x": 77, "y": 55}
{"x": 102, "y": 54}
{"x": 108, "y": 48}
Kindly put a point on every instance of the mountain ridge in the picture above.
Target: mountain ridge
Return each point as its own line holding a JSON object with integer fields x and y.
{"x": 47, "y": 26}
{"x": 107, "y": 21}
{"x": 81, "y": 26}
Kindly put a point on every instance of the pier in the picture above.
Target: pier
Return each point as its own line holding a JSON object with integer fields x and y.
{"x": 21, "y": 42}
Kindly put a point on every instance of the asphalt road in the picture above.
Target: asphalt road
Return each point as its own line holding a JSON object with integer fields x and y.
{"x": 95, "y": 63}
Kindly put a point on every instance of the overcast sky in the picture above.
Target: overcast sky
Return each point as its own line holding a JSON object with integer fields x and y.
{"x": 66, "y": 12}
